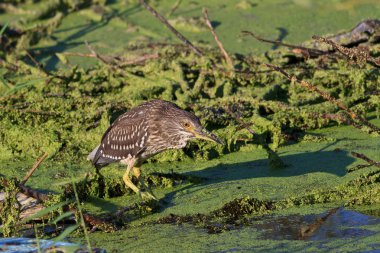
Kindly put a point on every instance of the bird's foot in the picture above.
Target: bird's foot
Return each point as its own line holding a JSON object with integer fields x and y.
{"x": 145, "y": 195}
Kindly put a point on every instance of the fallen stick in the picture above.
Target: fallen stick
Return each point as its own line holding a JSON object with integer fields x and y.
{"x": 127, "y": 209}
{"x": 241, "y": 122}
{"x": 28, "y": 191}
{"x": 43, "y": 197}
{"x": 359, "y": 55}
{"x": 96, "y": 55}
{"x": 175, "y": 7}
{"x": 309, "y": 51}
{"x": 341, "y": 118}
{"x": 123, "y": 62}
{"x": 365, "y": 158}
{"x": 35, "y": 166}
{"x": 139, "y": 60}
{"x": 220, "y": 45}
{"x": 112, "y": 67}
{"x": 310, "y": 229}
{"x": 97, "y": 223}
{"x": 38, "y": 65}
{"x": 171, "y": 28}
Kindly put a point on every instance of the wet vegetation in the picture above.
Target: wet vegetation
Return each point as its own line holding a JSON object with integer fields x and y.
{"x": 301, "y": 124}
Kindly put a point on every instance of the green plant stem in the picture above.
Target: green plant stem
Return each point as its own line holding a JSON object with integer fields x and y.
{"x": 82, "y": 223}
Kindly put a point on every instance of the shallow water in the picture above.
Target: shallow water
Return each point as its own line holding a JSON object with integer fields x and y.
{"x": 334, "y": 224}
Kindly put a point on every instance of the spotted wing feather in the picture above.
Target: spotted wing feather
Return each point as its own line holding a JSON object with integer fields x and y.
{"x": 125, "y": 138}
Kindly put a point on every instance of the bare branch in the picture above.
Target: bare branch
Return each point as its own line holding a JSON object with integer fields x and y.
{"x": 35, "y": 166}
{"x": 139, "y": 60}
{"x": 358, "y": 54}
{"x": 171, "y": 28}
{"x": 308, "y": 230}
{"x": 365, "y": 158}
{"x": 38, "y": 65}
{"x": 122, "y": 62}
{"x": 175, "y": 7}
{"x": 220, "y": 45}
{"x": 96, "y": 55}
{"x": 28, "y": 191}
{"x": 304, "y": 50}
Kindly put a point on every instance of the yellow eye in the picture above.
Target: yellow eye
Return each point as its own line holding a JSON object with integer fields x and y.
{"x": 186, "y": 124}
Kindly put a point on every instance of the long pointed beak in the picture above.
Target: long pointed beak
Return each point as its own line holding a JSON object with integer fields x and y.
{"x": 206, "y": 135}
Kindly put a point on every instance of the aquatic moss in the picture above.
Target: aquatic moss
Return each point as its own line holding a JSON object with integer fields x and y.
{"x": 68, "y": 116}
{"x": 10, "y": 210}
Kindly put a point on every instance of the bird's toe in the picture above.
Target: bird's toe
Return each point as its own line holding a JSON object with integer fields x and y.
{"x": 147, "y": 195}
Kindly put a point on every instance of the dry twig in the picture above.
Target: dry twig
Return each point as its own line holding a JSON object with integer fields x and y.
{"x": 341, "y": 118}
{"x": 309, "y": 230}
{"x": 326, "y": 96}
{"x": 365, "y": 158}
{"x": 109, "y": 64}
{"x": 43, "y": 197}
{"x": 97, "y": 223}
{"x": 35, "y": 166}
{"x": 171, "y": 28}
{"x": 304, "y": 50}
{"x": 358, "y": 54}
{"x": 28, "y": 191}
{"x": 139, "y": 60}
{"x": 174, "y": 8}
{"x": 38, "y": 65}
{"x": 127, "y": 209}
{"x": 98, "y": 56}
{"x": 122, "y": 62}
{"x": 220, "y": 45}
{"x": 242, "y": 123}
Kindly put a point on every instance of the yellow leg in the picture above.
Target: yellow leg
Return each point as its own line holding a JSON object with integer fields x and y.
{"x": 128, "y": 181}
{"x": 137, "y": 172}
{"x": 148, "y": 194}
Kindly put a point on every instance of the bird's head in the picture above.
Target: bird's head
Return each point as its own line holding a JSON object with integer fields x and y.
{"x": 188, "y": 124}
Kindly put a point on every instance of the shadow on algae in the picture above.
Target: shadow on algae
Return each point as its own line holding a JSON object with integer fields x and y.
{"x": 298, "y": 164}
{"x": 334, "y": 162}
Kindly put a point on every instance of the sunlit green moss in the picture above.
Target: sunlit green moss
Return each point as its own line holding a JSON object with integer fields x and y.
{"x": 204, "y": 187}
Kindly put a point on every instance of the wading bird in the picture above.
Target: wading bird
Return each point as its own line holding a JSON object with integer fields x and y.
{"x": 144, "y": 131}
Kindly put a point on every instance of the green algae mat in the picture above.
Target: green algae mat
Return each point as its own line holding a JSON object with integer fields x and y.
{"x": 299, "y": 170}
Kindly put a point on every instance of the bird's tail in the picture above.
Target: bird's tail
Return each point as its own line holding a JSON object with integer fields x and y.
{"x": 97, "y": 160}
{"x": 91, "y": 156}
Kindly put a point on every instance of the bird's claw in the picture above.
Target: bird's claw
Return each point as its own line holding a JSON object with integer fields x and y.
{"x": 147, "y": 195}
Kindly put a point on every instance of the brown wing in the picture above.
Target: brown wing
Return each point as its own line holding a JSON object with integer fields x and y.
{"x": 125, "y": 138}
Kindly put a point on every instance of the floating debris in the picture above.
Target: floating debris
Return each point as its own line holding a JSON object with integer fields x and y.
{"x": 27, "y": 245}
{"x": 336, "y": 223}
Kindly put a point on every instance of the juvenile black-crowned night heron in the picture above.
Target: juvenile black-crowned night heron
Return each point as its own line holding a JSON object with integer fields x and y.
{"x": 143, "y": 132}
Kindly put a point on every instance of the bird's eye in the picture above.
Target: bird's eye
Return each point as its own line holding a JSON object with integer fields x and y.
{"x": 186, "y": 124}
